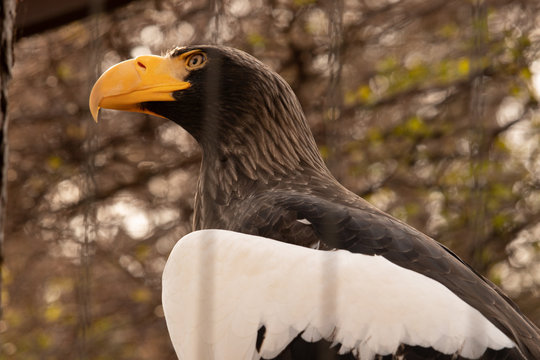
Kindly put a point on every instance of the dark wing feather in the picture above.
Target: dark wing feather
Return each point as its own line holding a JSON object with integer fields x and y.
{"x": 364, "y": 229}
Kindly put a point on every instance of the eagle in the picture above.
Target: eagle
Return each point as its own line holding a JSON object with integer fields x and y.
{"x": 284, "y": 262}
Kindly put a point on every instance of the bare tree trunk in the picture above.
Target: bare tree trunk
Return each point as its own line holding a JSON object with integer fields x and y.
{"x": 7, "y": 29}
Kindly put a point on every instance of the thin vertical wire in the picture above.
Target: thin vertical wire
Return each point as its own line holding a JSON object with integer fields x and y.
{"x": 334, "y": 58}
{"x": 85, "y": 249}
{"x": 335, "y": 33}
{"x": 216, "y": 7}
{"x": 207, "y": 289}
{"x": 89, "y": 187}
{"x": 476, "y": 109}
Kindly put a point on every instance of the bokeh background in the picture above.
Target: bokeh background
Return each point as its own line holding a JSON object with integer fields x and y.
{"x": 428, "y": 109}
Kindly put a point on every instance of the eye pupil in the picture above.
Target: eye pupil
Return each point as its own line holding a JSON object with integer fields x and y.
{"x": 196, "y": 60}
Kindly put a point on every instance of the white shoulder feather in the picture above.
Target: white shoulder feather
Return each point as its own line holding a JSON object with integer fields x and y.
{"x": 220, "y": 287}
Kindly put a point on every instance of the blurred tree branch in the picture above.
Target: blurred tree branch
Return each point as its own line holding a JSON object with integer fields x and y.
{"x": 7, "y": 32}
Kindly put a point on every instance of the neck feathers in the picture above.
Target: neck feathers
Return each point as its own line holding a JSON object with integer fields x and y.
{"x": 256, "y": 142}
{"x": 265, "y": 137}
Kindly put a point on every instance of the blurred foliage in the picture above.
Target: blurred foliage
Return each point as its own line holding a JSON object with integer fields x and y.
{"x": 436, "y": 122}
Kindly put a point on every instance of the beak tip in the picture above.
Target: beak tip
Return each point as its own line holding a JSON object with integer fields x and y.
{"x": 93, "y": 104}
{"x": 95, "y": 114}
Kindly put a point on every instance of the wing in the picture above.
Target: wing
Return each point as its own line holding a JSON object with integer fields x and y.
{"x": 309, "y": 220}
{"x": 228, "y": 295}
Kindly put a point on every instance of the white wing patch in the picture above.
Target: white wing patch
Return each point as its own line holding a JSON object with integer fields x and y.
{"x": 304, "y": 221}
{"x": 220, "y": 287}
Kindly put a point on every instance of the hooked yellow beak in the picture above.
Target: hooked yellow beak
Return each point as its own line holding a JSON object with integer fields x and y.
{"x": 128, "y": 84}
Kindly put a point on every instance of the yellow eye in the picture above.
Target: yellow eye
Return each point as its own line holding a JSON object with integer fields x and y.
{"x": 195, "y": 61}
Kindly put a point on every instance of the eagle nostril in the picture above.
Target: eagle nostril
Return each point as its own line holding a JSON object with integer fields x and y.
{"x": 140, "y": 64}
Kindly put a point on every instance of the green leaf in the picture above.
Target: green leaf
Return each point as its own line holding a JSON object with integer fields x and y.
{"x": 256, "y": 40}
{"x": 141, "y": 295}
{"x": 54, "y": 162}
{"x": 53, "y": 312}
{"x": 464, "y": 66}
